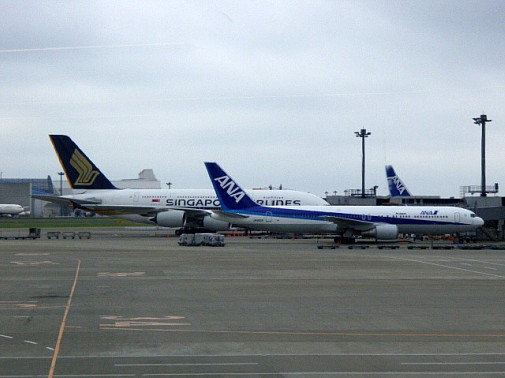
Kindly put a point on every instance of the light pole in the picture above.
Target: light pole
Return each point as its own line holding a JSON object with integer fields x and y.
{"x": 61, "y": 191}
{"x": 362, "y": 134}
{"x": 482, "y": 120}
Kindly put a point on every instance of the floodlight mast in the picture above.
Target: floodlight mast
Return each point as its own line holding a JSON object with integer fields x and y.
{"x": 482, "y": 120}
{"x": 362, "y": 134}
{"x": 61, "y": 190}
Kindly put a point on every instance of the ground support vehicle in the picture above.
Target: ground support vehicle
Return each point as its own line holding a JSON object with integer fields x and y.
{"x": 20, "y": 233}
{"x": 201, "y": 239}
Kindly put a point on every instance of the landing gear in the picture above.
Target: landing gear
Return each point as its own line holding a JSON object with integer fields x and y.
{"x": 344, "y": 240}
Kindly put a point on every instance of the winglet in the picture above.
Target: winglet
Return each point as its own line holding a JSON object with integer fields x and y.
{"x": 80, "y": 170}
{"x": 396, "y": 187}
{"x": 230, "y": 194}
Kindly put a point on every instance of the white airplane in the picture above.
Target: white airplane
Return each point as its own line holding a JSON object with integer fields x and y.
{"x": 381, "y": 222}
{"x": 186, "y": 209}
{"x": 10, "y": 209}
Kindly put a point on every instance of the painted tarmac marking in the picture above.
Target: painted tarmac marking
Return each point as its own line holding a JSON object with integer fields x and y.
{"x": 308, "y": 333}
{"x": 25, "y": 341}
{"x": 18, "y": 305}
{"x": 334, "y": 373}
{"x": 195, "y": 364}
{"x": 446, "y": 266}
{"x": 34, "y": 263}
{"x": 64, "y": 321}
{"x": 122, "y": 322}
{"x": 121, "y": 274}
{"x": 455, "y": 363}
{"x": 31, "y": 254}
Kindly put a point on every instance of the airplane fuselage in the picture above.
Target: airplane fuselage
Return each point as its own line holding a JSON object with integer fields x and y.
{"x": 204, "y": 199}
{"x": 415, "y": 219}
{"x": 11, "y": 209}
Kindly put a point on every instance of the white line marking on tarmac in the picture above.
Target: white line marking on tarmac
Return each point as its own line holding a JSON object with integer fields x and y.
{"x": 334, "y": 373}
{"x": 196, "y": 364}
{"x": 453, "y": 363}
{"x": 445, "y": 266}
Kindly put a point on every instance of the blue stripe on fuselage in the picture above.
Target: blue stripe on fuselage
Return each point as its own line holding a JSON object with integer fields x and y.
{"x": 318, "y": 216}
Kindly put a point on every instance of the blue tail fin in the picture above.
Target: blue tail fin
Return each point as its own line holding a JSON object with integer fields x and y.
{"x": 230, "y": 194}
{"x": 81, "y": 172}
{"x": 396, "y": 187}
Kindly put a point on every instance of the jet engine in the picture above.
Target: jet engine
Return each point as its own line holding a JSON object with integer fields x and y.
{"x": 212, "y": 224}
{"x": 170, "y": 218}
{"x": 383, "y": 232}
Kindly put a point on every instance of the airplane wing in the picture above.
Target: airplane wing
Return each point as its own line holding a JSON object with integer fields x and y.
{"x": 96, "y": 207}
{"x": 230, "y": 215}
{"x": 63, "y": 200}
{"x": 349, "y": 223}
{"x": 146, "y": 211}
{"x": 201, "y": 212}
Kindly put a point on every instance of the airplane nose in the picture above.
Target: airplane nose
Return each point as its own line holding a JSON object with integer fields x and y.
{"x": 478, "y": 221}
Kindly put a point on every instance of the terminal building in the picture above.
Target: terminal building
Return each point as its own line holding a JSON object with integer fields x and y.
{"x": 19, "y": 191}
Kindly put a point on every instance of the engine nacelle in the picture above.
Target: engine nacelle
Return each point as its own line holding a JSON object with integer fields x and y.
{"x": 383, "y": 232}
{"x": 170, "y": 218}
{"x": 215, "y": 225}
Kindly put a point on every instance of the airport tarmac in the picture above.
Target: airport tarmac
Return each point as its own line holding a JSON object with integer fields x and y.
{"x": 119, "y": 306}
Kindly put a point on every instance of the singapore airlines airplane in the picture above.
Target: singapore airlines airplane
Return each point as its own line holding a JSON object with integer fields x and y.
{"x": 186, "y": 209}
{"x": 381, "y": 222}
{"x": 10, "y": 209}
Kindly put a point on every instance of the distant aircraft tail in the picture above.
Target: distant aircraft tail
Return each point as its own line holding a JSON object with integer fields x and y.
{"x": 230, "y": 194}
{"x": 396, "y": 186}
{"x": 80, "y": 170}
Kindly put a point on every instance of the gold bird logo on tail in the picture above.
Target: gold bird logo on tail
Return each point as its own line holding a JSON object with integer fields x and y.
{"x": 87, "y": 175}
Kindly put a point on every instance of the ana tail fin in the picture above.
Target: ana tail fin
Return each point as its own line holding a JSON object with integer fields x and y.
{"x": 80, "y": 170}
{"x": 396, "y": 186}
{"x": 230, "y": 194}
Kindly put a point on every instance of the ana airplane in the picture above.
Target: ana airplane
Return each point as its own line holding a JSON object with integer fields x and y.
{"x": 396, "y": 186}
{"x": 381, "y": 222}
{"x": 10, "y": 209}
{"x": 186, "y": 209}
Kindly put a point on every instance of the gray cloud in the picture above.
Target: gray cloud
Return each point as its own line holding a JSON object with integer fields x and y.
{"x": 272, "y": 90}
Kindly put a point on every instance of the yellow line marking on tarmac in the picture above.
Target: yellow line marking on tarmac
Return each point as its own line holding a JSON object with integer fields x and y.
{"x": 63, "y": 322}
{"x": 308, "y": 333}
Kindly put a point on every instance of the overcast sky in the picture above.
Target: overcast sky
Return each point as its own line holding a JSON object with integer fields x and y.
{"x": 271, "y": 90}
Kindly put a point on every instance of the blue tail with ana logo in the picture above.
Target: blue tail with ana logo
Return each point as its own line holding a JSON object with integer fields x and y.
{"x": 230, "y": 194}
{"x": 396, "y": 187}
